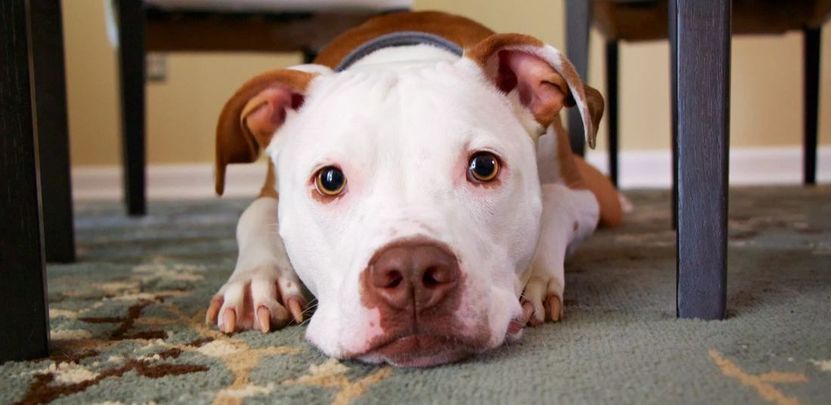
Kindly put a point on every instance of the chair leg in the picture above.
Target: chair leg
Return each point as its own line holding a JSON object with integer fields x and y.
{"x": 131, "y": 69}
{"x": 811, "y": 93}
{"x": 309, "y": 55}
{"x": 24, "y": 311}
{"x": 612, "y": 86}
{"x": 674, "y": 114}
{"x": 674, "y": 187}
{"x": 701, "y": 47}
{"x": 578, "y": 18}
{"x": 53, "y": 138}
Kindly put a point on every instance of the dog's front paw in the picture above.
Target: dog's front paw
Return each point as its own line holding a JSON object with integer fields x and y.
{"x": 262, "y": 298}
{"x": 544, "y": 294}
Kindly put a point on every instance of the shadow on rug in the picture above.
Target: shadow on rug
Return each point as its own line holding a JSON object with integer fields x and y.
{"x": 127, "y": 320}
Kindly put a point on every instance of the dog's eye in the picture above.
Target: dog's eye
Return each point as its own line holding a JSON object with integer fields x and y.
{"x": 482, "y": 167}
{"x": 330, "y": 181}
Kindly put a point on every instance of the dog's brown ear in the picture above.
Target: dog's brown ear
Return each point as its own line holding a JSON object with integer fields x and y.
{"x": 545, "y": 80}
{"x": 596, "y": 106}
{"x": 253, "y": 114}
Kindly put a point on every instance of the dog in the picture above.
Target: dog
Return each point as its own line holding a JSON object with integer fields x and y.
{"x": 420, "y": 186}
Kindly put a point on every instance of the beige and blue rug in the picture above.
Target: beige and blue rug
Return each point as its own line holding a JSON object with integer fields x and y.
{"x": 127, "y": 321}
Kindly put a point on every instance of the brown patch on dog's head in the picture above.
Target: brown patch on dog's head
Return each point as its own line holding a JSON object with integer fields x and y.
{"x": 460, "y": 30}
{"x": 253, "y": 114}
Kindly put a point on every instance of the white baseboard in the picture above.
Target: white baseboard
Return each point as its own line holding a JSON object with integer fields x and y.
{"x": 169, "y": 182}
{"x": 748, "y": 166}
{"x": 638, "y": 169}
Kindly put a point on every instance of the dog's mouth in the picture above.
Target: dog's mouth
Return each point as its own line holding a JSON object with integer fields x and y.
{"x": 421, "y": 350}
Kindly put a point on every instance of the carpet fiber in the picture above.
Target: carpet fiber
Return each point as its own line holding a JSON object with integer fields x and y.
{"x": 127, "y": 320}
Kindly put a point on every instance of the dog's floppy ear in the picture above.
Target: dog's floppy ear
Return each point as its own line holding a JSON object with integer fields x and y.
{"x": 545, "y": 80}
{"x": 596, "y": 106}
{"x": 253, "y": 114}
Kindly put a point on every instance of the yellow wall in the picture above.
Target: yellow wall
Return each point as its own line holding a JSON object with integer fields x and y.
{"x": 766, "y": 99}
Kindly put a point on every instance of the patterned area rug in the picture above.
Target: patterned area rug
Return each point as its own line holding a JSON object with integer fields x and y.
{"x": 127, "y": 321}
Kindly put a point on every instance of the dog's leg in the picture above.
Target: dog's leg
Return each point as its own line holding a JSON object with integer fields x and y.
{"x": 568, "y": 217}
{"x": 263, "y": 292}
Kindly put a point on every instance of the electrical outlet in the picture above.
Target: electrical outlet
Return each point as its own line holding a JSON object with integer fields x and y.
{"x": 156, "y": 67}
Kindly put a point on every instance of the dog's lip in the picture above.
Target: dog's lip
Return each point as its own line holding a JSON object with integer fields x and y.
{"x": 420, "y": 350}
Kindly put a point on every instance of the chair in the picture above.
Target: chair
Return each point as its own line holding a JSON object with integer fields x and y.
{"x": 215, "y": 25}
{"x": 699, "y": 32}
{"x": 645, "y": 20}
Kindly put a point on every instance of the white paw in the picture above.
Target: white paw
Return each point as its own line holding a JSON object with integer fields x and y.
{"x": 264, "y": 298}
{"x": 544, "y": 294}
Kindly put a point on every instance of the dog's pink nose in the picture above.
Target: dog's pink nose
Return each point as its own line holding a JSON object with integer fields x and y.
{"x": 417, "y": 274}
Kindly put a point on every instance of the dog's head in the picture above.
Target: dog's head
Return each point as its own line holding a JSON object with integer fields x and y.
{"x": 409, "y": 198}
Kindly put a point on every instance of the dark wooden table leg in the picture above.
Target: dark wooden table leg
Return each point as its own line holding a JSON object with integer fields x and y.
{"x": 578, "y": 20}
{"x": 22, "y": 277}
{"x": 701, "y": 47}
{"x": 131, "y": 68}
{"x": 811, "y": 57}
{"x": 53, "y": 136}
{"x": 612, "y": 86}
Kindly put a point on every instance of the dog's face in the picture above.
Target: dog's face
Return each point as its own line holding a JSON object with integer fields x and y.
{"x": 415, "y": 260}
{"x": 409, "y": 206}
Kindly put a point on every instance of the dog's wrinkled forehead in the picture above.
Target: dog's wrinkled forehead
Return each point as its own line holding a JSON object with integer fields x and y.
{"x": 444, "y": 107}
{"x": 453, "y": 92}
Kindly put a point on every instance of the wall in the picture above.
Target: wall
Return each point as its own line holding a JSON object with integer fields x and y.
{"x": 766, "y": 97}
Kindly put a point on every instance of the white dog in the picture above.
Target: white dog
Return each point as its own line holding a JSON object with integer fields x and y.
{"x": 428, "y": 195}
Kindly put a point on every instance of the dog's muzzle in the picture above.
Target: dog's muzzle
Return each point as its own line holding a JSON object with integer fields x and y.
{"x": 416, "y": 285}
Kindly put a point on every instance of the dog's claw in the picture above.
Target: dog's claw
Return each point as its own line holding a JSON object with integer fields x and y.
{"x": 527, "y": 311}
{"x": 518, "y": 324}
{"x": 213, "y": 310}
{"x": 264, "y": 317}
{"x": 296, "y": 309}
{"x": 555, "y": 308}
{"x": 230, "y": 324}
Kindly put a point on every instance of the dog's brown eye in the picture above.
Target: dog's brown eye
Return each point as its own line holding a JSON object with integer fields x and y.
{"x": 483, "y": 167}
{"x": 330, "y": 181}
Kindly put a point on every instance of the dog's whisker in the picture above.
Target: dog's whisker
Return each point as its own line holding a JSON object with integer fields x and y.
{"x": 309, "y": 310}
